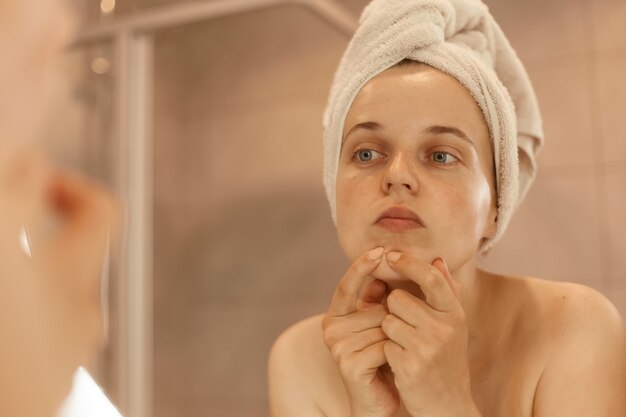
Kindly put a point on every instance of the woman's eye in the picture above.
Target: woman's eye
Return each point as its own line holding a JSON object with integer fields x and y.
{"x": 443, "y": 158}
{"x": 365, "y": 155}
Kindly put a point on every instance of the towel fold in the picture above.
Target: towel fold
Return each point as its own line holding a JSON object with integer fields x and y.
{"x": 460, "y": 38}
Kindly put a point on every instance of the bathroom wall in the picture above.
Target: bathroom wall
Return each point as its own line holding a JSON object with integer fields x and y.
{"x": 244, "y": 243}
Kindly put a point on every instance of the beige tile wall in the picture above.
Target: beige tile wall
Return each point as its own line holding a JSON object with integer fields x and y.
{"x": 579, "y": 196}
{"x": 244, "y": 243}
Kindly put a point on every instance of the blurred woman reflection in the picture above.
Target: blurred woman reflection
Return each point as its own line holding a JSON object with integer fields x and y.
{"x": 50, "y": 319}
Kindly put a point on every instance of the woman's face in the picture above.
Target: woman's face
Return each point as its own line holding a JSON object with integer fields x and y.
{"x": 403, "y": 146}
{"x": 32, "y": 81}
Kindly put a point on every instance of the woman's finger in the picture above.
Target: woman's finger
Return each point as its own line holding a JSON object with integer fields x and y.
{"x": 357, "y": 342}
{"x": 399, "y": 331}
{"x": 408, "y": 307}
{"x": 441, "y": 265}
{"x": 335, "y": 328}
{"x": 394, "y": 354}
{"x": 373, "y": 356}
{"x": 345, "y": 296}
{"x": 439, "y": 294}
{"x": 372, "y": 293}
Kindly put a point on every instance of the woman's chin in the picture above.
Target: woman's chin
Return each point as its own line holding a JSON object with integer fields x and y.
{"x": 384, "y": 272}
{"x": 395, "y": 281}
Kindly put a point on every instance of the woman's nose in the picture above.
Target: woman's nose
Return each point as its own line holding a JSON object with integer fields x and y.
{"x": 400, "y": 175}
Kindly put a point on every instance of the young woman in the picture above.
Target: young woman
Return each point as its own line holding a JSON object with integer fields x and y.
{"x": 50, "y": 316}
{"x": 414, "y": 327}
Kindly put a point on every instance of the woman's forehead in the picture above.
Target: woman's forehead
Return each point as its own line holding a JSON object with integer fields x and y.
{"x": 417, "y": 95}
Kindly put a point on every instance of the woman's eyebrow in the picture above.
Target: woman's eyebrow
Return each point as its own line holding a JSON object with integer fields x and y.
{"x": 363, "y": 125}
{"x": 435, "y": 130}
{"x": 442, "y": 130}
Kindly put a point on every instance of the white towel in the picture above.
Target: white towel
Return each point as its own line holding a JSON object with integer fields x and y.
{"x": 461, "y": 38}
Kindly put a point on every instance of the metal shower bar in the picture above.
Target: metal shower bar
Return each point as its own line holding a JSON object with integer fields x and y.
{"x": 183, "y": 13}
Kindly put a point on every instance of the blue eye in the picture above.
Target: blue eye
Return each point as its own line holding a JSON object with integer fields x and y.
{"x": 365, "y": 155}
{"x": 443, "y": 158}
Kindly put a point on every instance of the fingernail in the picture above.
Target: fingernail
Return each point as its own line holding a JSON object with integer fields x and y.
{"x": 393, "y": 256}
{"x": 375, "y": 253}
{"x": 442, "y": 261}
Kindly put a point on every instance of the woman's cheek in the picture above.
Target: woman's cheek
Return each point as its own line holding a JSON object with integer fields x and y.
{"x": 351, "y": 232}
{"x": 473, "y": 210}
{"x": 345, "y": 206}
{"x": 356, "y": 194}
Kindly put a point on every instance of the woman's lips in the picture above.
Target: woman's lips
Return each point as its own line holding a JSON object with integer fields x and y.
{"x": 399, "y": 219}
{"x": 398, "y": 225}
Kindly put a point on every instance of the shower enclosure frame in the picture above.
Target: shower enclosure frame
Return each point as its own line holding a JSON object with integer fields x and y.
{"x": 133, "y": 47}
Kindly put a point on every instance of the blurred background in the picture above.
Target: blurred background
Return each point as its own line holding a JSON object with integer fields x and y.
{"x": 206, "y": 116}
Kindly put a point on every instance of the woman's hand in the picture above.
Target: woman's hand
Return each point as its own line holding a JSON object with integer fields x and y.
{"x": 353, "y": 334}
{"x": 427, "y": 346}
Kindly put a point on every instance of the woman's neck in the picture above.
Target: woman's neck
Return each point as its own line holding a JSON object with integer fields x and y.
{"x": 476, "y": 299}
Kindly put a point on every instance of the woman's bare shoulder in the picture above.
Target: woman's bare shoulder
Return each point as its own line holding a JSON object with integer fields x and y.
{"x": 304, "y": 337}
{"x": 301, "y": 369}
{"x": 561, "y": 304}
{"x": 582, "y": 333}
{"x": 301, "y": 347}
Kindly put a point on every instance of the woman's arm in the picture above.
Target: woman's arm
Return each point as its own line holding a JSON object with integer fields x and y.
{"x": 586, "y": 375}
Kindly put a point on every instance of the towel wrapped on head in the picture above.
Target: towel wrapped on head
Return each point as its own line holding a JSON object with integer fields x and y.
{"x": 460, "y": 38}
